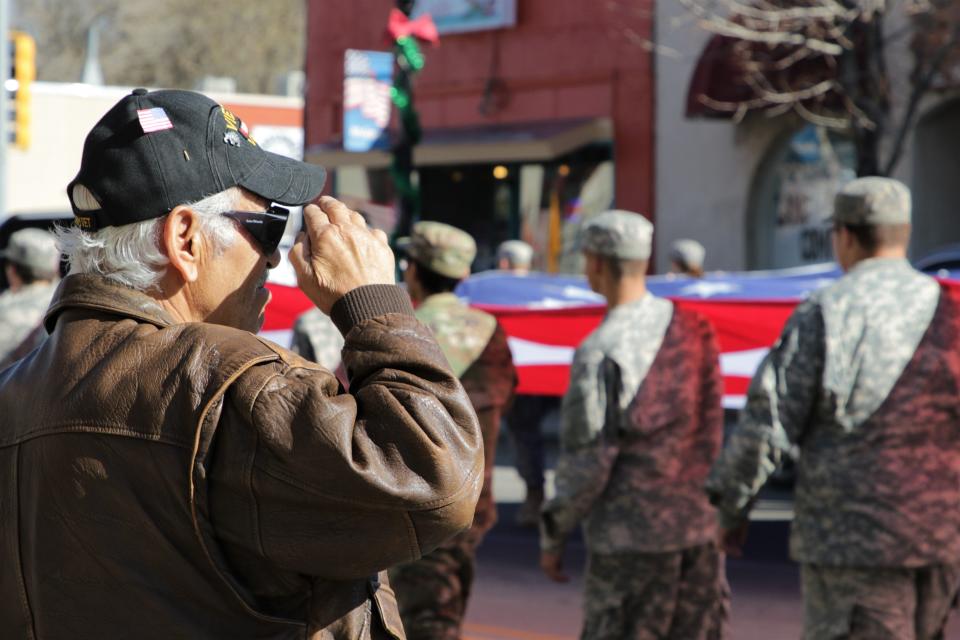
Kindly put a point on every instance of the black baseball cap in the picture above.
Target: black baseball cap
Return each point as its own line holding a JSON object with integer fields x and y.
{"x": 155, "y": 150}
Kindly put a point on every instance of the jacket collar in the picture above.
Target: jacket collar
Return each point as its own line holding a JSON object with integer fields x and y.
{"x": 86, "y": 291}
{"x": 873, "y": 264}
{"x": 638, "y": 306}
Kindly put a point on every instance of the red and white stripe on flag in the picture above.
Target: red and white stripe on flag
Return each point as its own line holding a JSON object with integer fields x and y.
{"x": 154, "y": 119}
{"x": 543, "y": 340}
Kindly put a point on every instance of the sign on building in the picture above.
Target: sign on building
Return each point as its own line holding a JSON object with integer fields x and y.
{"x": 458, "y": 16}
{"x": 368, "y": 78}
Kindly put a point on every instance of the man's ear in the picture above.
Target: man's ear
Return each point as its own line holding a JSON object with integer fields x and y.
{"x": 182, "y": 242}
{"x": 11, "y": 274}
{"x": 847, "y": 240}
{"x": 592, "y": 264}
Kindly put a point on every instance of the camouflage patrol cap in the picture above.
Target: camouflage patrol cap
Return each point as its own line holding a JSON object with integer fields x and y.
{"x": 517, "y": 252}
{"x": 441, "y": 248}
{"x": 623, "y": 235}
{"x": 34, "y": 249}
{"x": 688, "y": 252}
{"x": 872, "y": 201}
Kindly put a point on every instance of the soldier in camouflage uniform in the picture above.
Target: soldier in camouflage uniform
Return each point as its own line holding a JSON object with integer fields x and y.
{"x": 32, "y": 263}
{"x": 641, "y": 425}
{"x": 527, "y": 411}
{"x": 515, "y": 256}
{"x": 432, "y": 592}
{"x": 864, "y": 382}
{"x": 316, "y": 338}
{"x": 686, "y": 257}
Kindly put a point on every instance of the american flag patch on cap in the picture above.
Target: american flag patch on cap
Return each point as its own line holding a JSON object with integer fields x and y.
{"x": 154, "y": 119}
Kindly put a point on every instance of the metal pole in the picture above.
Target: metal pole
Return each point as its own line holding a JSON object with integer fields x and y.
{"x": 403, "y": 148}
{"x": 4, "y": 103}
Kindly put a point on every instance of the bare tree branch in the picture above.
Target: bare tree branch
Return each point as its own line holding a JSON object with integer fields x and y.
{"x": 775, "y": 97}
{"x": 726, "y": 28}
{"x": 921, "y": 86}
{"x": 859, "y": 116}
{"x": 775, "y": 14}
{"x": 826, "y": 61}
{"x": 820, "y": 120}
{"x": 769, "y": 31}
{"x": 648, "y": 45}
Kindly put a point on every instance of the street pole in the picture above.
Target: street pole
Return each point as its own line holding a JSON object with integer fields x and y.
{"x": 409, "y": 135}
{"x": 4, "y": 103}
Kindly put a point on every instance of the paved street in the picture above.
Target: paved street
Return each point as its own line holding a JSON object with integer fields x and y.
{"x": 513, "y": 601}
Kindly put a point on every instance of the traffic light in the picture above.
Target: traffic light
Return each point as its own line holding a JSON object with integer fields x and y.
{"x": 23, "y": 63}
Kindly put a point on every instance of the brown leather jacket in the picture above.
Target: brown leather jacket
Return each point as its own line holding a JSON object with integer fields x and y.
{"x": 162, "y": 480}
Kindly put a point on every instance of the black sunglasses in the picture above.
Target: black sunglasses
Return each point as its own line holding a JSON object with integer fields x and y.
{"x": 266, "y": 227}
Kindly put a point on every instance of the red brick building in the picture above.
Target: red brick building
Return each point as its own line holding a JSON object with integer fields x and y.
{"x": 527, "y": 128}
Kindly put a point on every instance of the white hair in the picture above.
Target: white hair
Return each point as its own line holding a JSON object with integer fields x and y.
{"x": 130, "y": 254}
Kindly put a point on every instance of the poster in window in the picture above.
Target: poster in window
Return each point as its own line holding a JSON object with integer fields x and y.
{"x": 815, "y": 168}
{"x": 368, "y": 78}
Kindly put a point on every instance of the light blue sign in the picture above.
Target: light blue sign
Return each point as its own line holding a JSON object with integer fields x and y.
{"x": 368, "y": 78}
{"x": 457, "y": 16}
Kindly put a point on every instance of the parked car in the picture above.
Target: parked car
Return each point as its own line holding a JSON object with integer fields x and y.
{"x": 943, "y": 261}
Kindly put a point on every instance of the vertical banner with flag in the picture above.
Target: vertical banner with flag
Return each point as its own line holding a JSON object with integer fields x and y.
{"x": 368, "y": 77}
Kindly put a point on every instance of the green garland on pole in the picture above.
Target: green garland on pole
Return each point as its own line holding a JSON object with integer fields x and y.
{"x": 412, "y": 58}
{"x": 410, "y": 61}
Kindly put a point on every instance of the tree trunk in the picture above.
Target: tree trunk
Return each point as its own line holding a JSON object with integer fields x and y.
{"x": 864, "y": 81}
{"x": 867, "y": 145}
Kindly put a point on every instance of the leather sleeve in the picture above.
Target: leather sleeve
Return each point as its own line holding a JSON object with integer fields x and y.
{"x": 339, "y": 485}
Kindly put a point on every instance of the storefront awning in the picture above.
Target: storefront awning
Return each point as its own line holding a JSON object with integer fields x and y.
{"x": 718, "y": 84}
{"x": 717, "y": 76}
{"x": 532, "y": 142}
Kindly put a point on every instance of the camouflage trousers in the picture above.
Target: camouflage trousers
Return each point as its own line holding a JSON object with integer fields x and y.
{"x": 870, "y": 603}
{"x": 432, "y": 593}
{"x": 681, "y": 595}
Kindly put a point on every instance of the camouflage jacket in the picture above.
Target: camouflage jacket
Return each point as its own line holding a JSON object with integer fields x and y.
{"x": 476, "y": 348}
{"x": 641, "y": 425}
{"x": 864, "y": 384}
{"x": 21, "y": 312}
{"x": 316, "y": 338}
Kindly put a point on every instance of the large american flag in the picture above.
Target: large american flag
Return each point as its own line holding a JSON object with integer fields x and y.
{"x": 546, "y": 317}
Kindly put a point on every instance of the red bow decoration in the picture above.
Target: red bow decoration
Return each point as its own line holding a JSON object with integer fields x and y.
{"x": 423, "y": 28}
